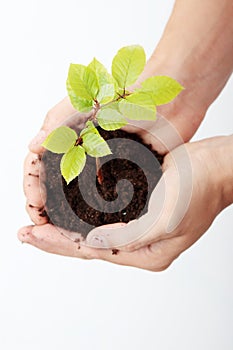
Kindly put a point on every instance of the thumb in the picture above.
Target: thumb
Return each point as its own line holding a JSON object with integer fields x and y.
{"x": 54, "y": 118}
{"x": 135, "y": 232}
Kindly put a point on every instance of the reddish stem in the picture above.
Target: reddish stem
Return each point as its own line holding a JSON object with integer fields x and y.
{"x": 99, "y": 171}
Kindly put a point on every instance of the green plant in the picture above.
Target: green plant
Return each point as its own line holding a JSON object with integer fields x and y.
{"x": 92, "y": 88}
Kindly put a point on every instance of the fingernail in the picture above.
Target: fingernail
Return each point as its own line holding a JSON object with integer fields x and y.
{"x": 98, "y": 242}
{"x": 38, "y": 139}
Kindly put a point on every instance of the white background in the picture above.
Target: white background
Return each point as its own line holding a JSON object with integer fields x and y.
{"x": 50, "y": 302}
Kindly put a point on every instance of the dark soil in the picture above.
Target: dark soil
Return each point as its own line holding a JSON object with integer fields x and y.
{"x": 66, "y": 207}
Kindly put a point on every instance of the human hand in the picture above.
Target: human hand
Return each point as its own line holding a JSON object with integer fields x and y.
{"x": 34, "y": 188}
{"x": 175, "y": 228}
{"x": 160, "y": 134}
{"x": 187, "y": 64}
{"x": 198, "y": 175}
{"x": 43, "y": 234}
{"x": 196, "y": 50}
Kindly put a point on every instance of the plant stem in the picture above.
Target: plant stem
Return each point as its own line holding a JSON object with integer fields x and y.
{"x": 116, "y": 99}
{"x": 99, "y": 174}
{"x": 95, "y": 110}
{"x": 98, "y": 106}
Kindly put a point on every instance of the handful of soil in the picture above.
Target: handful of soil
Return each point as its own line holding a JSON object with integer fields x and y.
{"x": 85, "y": 204}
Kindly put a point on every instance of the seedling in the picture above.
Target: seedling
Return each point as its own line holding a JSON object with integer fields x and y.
{"x": 107, "y": 96}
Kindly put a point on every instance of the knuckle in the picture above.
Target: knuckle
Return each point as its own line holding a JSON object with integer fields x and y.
{"x": 37, "y": 214}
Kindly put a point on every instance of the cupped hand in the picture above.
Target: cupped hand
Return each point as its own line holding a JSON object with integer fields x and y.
{"x": 35, "y": 190}
{"x": 160, "y": 134}
{"x": 33, "y": 187}
{"x": 179, "y": 211}
{"x": 195, "y": 187}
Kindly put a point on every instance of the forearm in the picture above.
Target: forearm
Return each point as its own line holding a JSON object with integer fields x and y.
{"x": 197, "y": 50}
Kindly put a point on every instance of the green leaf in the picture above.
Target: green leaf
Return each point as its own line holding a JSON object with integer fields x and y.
{"x": 60, "y": 140}
{"x": 110, "y": 119}
{"x": 136, "y": 111}
{"x": 141, "y": 99}
{"x": 106, "y": 93}
{"x": 114, "y": 105}
{"x": 90, "y": 127}
{"x": 95, "y": 145}
{"x": 107, "y": 84}
{"x": 79, "y": 103}
{"x": 83, "y": 81}
{"x": 128, "y": 64}
{"x": 101, "y": 72}
{"x": 72, "y": 163}
{"x": 163, "y": 89}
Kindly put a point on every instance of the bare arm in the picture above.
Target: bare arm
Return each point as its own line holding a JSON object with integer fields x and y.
{"x": 196, "y": 48}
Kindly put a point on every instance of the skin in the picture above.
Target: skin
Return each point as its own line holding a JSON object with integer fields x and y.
{"x": 155, "y": 251}
{"x": 196, "y": 49}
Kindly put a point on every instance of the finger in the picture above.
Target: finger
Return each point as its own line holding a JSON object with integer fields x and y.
{"x": 152, "y": 226}
{"x": 49, "y": 239}
{"x": 55, "y": 117}
{"x": 38, "y": 215}
{"x": 31, "y": 183}
{"x": 162, "y": 204}
{"x": 34, "y": 190}
{"x": 124, "y": 237}
{"x": 155, "y": 257}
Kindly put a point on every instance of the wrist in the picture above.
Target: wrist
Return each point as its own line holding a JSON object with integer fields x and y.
{"x": 195, "y": 50}
{"x": 188, "y": 109}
